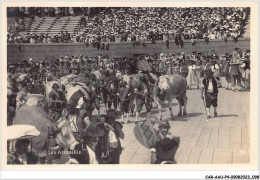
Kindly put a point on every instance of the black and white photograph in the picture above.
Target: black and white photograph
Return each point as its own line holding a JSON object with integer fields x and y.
{"x": 127, "y": 85}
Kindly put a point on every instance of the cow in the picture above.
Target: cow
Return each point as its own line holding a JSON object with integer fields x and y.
{"x": 61, "y": 130}
{"x": 173, "y": 86}
{"x": 99, "y": 74}
{"x": 134, "y": 81}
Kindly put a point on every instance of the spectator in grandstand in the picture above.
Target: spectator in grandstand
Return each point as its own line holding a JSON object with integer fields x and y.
{"x": 16, "y": 24}
{"x": 66, "y": 37}
{"x": 21, "y": 24}
{"x": 83, "y": 21}
{"x": 33, "y": 39}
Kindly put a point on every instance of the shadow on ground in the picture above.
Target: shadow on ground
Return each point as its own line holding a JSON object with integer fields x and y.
{"x": 185, "y": 117}
{"x": 227, "y": 115}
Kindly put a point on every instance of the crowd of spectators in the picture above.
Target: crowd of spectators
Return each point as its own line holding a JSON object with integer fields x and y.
{"x": 62, "y": 37}
{"x": 46, "y": 11}
{"x": 150, "y": 24}
{"x": 160, "y": 62}
{"x": 126, "y": 24}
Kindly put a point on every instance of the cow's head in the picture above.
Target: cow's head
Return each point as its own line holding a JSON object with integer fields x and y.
{"x": 164, "y": 83}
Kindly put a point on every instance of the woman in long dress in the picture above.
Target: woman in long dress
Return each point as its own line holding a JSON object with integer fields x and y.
{"x": 193, "y": 76}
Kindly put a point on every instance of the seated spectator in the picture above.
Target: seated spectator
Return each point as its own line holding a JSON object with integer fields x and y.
{"x": 67, "y": 37}
{"x": 83, "y": 21}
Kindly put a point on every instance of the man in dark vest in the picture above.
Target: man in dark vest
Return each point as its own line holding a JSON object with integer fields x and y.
{"x": 209, "y": 92}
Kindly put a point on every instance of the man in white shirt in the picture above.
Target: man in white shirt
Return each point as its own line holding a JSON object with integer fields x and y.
{"x": 209, "y": 92}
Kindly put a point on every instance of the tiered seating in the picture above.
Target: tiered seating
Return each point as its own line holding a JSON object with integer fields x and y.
{"x": 50, "y": 25}
{"x": 36, "y": 23}
{"x": 72, "y": 24}
{"x": 28, "y": 23}
{"x": 64, "y": 23}
{"x": 58, "y": 26}
{"x": 46, "y": 25}
{"x": 10, "y": 21}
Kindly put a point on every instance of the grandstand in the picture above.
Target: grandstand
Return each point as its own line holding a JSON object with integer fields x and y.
{"x": 50, "y": 25}
{"x": 130, "y": 23}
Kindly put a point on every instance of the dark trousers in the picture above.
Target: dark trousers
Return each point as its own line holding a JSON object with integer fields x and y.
{"x": 112, "y": 100}
{"x": 211, "y": 99}
{"x": 142, "y": 101}
{"x": 104, "y": 96}
{"x": 167, "y": 43}
{"x": 227, "y": 77}
{"x": 115, "y": 156}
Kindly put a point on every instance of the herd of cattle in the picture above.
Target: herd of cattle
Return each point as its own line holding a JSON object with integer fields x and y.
{"x": 36, "y": 112}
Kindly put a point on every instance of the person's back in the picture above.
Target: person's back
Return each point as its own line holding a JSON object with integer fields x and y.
{"x": 226, "y": 66}
{"x": 27, "y": 158}
{"x": 22, "y": 155}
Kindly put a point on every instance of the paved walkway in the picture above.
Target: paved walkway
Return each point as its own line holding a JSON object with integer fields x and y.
{"x": 223, "y": 139}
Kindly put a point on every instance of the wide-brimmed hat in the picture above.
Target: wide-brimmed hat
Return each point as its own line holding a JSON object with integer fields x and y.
{"x": 21, "y": 131}
{"x": 166, "y": 148}
{"x": 111, "y": 114}
{"x": 164, "y": 123}
{"x": 94, "y": 129}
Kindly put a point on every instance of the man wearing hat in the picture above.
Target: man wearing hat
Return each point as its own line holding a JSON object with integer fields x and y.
{"x": 88, "y": 147}
{"x": 166, "y": 146}
{"x": 124, "y": 93}
{"x": 109, "y": 149}
{"x": 225, "y": 70}
{"x": 78, "y": 117}
{"x": 112, "y": 93}
{"x": 209, "y": 92}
